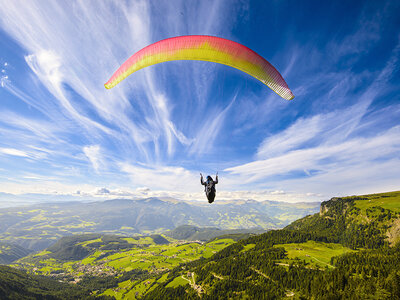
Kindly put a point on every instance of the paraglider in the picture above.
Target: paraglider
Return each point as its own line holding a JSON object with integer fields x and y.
{"x": 205, "y": 48}
{"x": 209, "y": 187}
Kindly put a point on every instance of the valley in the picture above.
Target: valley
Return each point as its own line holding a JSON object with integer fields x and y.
{"x": 147, "y": 258}
{"x": 348, "y": 248}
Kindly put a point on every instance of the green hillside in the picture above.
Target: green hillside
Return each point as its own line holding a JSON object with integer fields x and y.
{"x": 389, "y": 201}
{"x": 368, "y": 221}
{"x": 10, "y": 253}
{"x": 16, "y": 284}
{"x": 323, "y": 256}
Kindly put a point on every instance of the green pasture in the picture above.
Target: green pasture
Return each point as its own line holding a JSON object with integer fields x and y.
{"x": 248, "y": 247}
{"x": 163, "y": 278}
{"x": 91, "y": 258}
{"x": 85, "y": 243}
{"x": 131, "y": 290}
{"x": 177, "y": 282}
{"x": 318, "y": 254}
{"x": 42, "y": 253}
{"x": 82, "y": 224}
{"x": 164, "y": 256}
{"x": 119, "y": 292}
{"x": 158, "y": 257}
{"x": 389, "y": 201}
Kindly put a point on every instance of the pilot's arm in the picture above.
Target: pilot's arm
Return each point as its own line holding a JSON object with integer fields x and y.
{"x": 201, "y": 179}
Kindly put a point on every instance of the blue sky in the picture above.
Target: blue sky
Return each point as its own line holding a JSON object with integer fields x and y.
{"x": 63, "y": 134}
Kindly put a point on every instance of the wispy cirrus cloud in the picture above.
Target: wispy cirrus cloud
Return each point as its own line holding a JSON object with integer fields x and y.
{"x": 355, "y": 143}
{"x": 163, "y": 123}
{"x": 209, "y": 130}
{"x": 73, "y": 68}
{"x": 161, "y": 177}
{"x": 356, "y": 166}
{"x": 94, "y": 155}
{"x": 14, "y": 152}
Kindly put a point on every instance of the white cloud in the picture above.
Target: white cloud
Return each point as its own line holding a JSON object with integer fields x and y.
{"x": 302, "y": 131}
{"x": 46, "y": 64}
{"x": 143, "y": 189}
{"x": 4, "y": 81}
{"x": 94, "y": 155}
{"x": 208, "y": 132}
{"x": 92, "y": 46}
{"x": 102, "y": 191}
{"x": 48, "y": 68}
{"x": 161, "y": 177}
{"x": 34, "y": 127}
{"x": 280, "y": 192}
{"x": 13, "y": 152}
{"x": 29, "y": 189}
{"x": 356, "y": 162}
{"x": 46, "y": 186}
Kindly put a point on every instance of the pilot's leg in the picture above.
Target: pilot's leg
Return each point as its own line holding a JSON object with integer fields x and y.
{"x": 211, "y": 197}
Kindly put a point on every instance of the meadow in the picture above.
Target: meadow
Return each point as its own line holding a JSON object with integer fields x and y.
{"x": 315, "y": 254}
{"x": 389, "y": 201}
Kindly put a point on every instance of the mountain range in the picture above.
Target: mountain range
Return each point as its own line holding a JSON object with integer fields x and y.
{"x": 38, "y": 226}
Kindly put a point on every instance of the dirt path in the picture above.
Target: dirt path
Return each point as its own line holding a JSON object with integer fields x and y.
{"x": 288, "y": 292}
{"x": 262, "y": 274}
{"x": 183, "y": 277}
{"x": 218, "y": 276}
{"x": 321, "y": 261}
{"x": 198, "y": 288}
{"x": 307, "y": 267}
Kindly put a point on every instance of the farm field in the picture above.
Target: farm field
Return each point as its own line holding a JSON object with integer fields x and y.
{"x": 141, "y": 254}
{"x": 161, "y": 261}
{"x": 317, "y": 254}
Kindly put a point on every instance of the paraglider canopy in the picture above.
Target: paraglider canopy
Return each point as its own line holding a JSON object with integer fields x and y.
{"x": 206, "y": 48}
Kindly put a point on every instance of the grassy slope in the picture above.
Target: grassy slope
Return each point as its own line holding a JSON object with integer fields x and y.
{"x": 162, "y": 258}
{"x": 317, "y": 254}
{"x": 367, "y": 221}
{"x": 389, "y": 201}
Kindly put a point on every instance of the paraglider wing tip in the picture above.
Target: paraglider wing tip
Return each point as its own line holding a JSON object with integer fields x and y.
{"x": 288, "y": 95}
{"x": 107, "y": 86}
